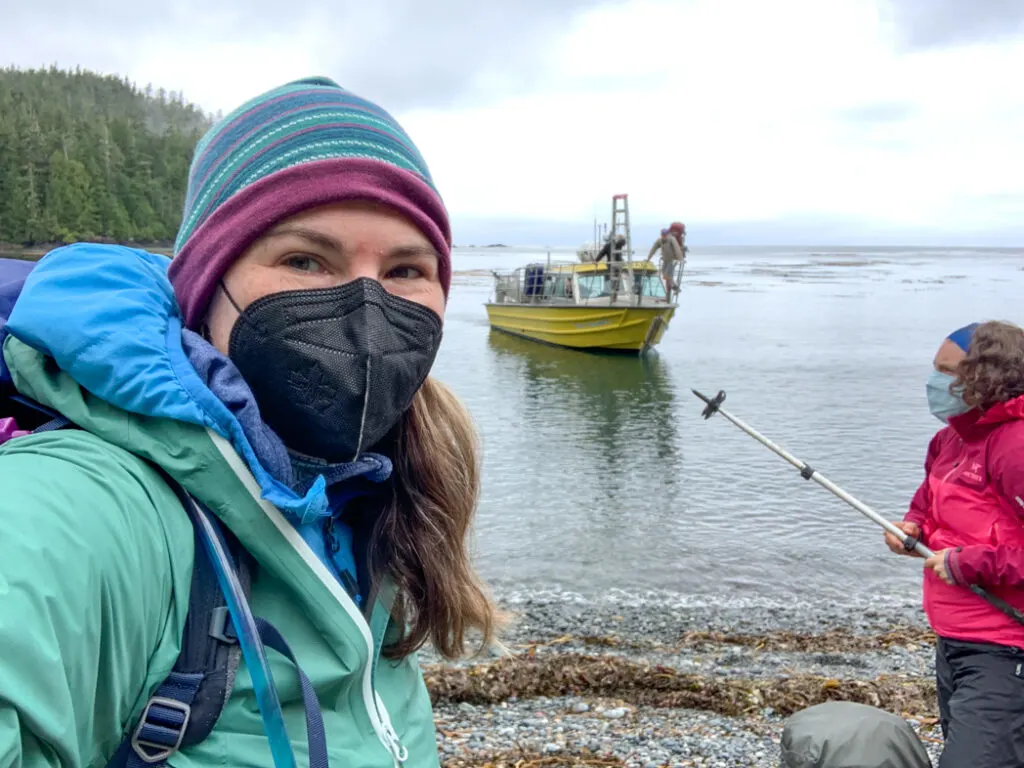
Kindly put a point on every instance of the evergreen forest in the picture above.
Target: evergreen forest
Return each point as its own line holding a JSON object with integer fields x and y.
{"x": 92, "y": 157}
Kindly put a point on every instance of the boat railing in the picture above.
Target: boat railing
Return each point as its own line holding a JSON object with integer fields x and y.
{"x": 531, "y": 284}
{"x": 564, "y": 283}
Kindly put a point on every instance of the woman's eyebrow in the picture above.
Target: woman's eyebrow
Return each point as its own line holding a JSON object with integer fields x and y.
{"x": 309, "y": 235}
{"x": 333, "y": 244}
{"x": 411, "y": 251}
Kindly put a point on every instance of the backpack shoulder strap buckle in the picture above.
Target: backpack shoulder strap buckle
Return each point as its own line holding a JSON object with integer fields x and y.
{"x": 161, "y": 727}
{"x": 221, "y": 626}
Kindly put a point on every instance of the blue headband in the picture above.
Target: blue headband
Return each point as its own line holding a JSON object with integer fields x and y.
{"x": 962, "y": 336}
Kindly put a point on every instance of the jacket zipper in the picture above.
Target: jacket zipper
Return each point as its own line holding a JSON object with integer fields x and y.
{"x": 957, "y": 463}
{"x": 400, "y": 753}
{"x": 393, "y": 743}
{"x": 375, "y": 709}
{"x": 345, "y": 577}
{"x": 945, "y": 477}
{"x": 390, "y": 738}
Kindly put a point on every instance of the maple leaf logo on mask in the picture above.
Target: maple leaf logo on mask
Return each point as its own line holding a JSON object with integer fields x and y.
{"x": 311, "y": 387}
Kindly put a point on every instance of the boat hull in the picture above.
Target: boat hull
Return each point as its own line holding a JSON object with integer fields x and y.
{"x": 623, "y": 329}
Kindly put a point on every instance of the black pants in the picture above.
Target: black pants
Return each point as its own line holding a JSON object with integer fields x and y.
{"x": 981, "y": 704}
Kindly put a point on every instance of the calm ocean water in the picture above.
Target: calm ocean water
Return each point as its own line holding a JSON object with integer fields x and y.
{"x": 601, "y": 476}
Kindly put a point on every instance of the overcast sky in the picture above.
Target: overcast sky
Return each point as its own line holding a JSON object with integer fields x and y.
{"x": 784, "y": 121}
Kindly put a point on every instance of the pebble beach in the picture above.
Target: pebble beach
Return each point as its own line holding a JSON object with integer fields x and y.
{"x": 646, "y": 683}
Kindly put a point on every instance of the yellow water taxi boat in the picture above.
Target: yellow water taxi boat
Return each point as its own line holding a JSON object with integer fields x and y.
{"x": 615, "y": 305}
{"x": 575, "y": 305}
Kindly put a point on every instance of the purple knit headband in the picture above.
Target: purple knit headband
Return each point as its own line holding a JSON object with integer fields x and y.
{"x": 233, "y": 226}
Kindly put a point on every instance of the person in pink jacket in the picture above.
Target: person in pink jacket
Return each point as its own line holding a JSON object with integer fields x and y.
{"x": 970, "y": 512}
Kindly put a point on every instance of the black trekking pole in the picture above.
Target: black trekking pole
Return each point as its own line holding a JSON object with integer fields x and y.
{"x": 910, "y": 543}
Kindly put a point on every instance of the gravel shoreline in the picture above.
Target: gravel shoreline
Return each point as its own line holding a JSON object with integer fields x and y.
{"x": 655, "y": 681}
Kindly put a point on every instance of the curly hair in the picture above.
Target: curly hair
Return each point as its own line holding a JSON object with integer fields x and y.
{"x": 993, "y": 370}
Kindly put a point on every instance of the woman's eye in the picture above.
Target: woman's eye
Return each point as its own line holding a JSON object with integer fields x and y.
{"x": 303, "y": 263}
{"x": 407, "y": 272}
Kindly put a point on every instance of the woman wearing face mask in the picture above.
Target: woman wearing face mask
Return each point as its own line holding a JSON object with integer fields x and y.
{"x": 276, "y": 370}
{"x": 970, "y": 512}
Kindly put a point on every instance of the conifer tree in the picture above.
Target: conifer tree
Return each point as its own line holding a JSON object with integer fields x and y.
{"x": 91, "y": 157}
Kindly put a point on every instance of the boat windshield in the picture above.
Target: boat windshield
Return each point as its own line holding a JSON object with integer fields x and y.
{"x": 596, "y": 286}
{"x": 592, "y": 286}
{"x": 651, "y": 285}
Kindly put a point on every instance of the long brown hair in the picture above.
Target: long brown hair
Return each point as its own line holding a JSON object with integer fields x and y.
{"x": 993, "y": 369}
{"x": 421, "y": 538}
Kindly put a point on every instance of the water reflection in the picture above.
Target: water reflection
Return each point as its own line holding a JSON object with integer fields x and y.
{"x": 595, "y": 437}
{"x": 620, "y": 398}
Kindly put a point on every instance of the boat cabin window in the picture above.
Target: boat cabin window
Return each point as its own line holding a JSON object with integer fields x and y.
{"x": 558, "y": 286}
{"x": 651, "y": 285}
{"x": 598, "y": 286}
{"x": 592, "y": 286}
{"x": 540, "y": 284}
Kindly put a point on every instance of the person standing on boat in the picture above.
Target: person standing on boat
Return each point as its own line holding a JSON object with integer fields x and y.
{"x": 673, "y": 253}
{"x": 276, "y": 370}
{"x": 612, "y": 250}
{"x": 970, "y": 511}
{"x": 659, "y": 244}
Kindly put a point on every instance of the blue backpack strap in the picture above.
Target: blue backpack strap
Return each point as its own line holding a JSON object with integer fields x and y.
{"x": 185, "y": 708}
{"x": 315, "y": 733}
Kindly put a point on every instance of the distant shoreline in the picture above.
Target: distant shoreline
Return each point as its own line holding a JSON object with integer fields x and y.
{"x": 36, "y": 251}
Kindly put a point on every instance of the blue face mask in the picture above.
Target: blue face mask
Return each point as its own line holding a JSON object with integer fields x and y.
{"x": 941, "y": 402}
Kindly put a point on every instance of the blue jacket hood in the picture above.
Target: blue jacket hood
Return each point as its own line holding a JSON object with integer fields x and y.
{"x": 108, "y": 317}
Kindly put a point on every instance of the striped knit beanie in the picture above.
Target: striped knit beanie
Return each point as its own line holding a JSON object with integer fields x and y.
{"x": 302, "y": 145}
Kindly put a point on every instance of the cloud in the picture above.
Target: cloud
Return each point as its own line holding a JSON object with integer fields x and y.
{"x": 454, "y": 52}
{"x": 882, "y": 125}
{"x": 767, "y": 120}
{"x": 931, "y": 24}
{"x": 404, "y": 53}
{"x": 723, "y": 113}
{"x": 878, "y": 112}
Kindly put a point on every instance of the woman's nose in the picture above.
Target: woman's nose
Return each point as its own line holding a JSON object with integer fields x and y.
{"x": 358, "y": 270}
